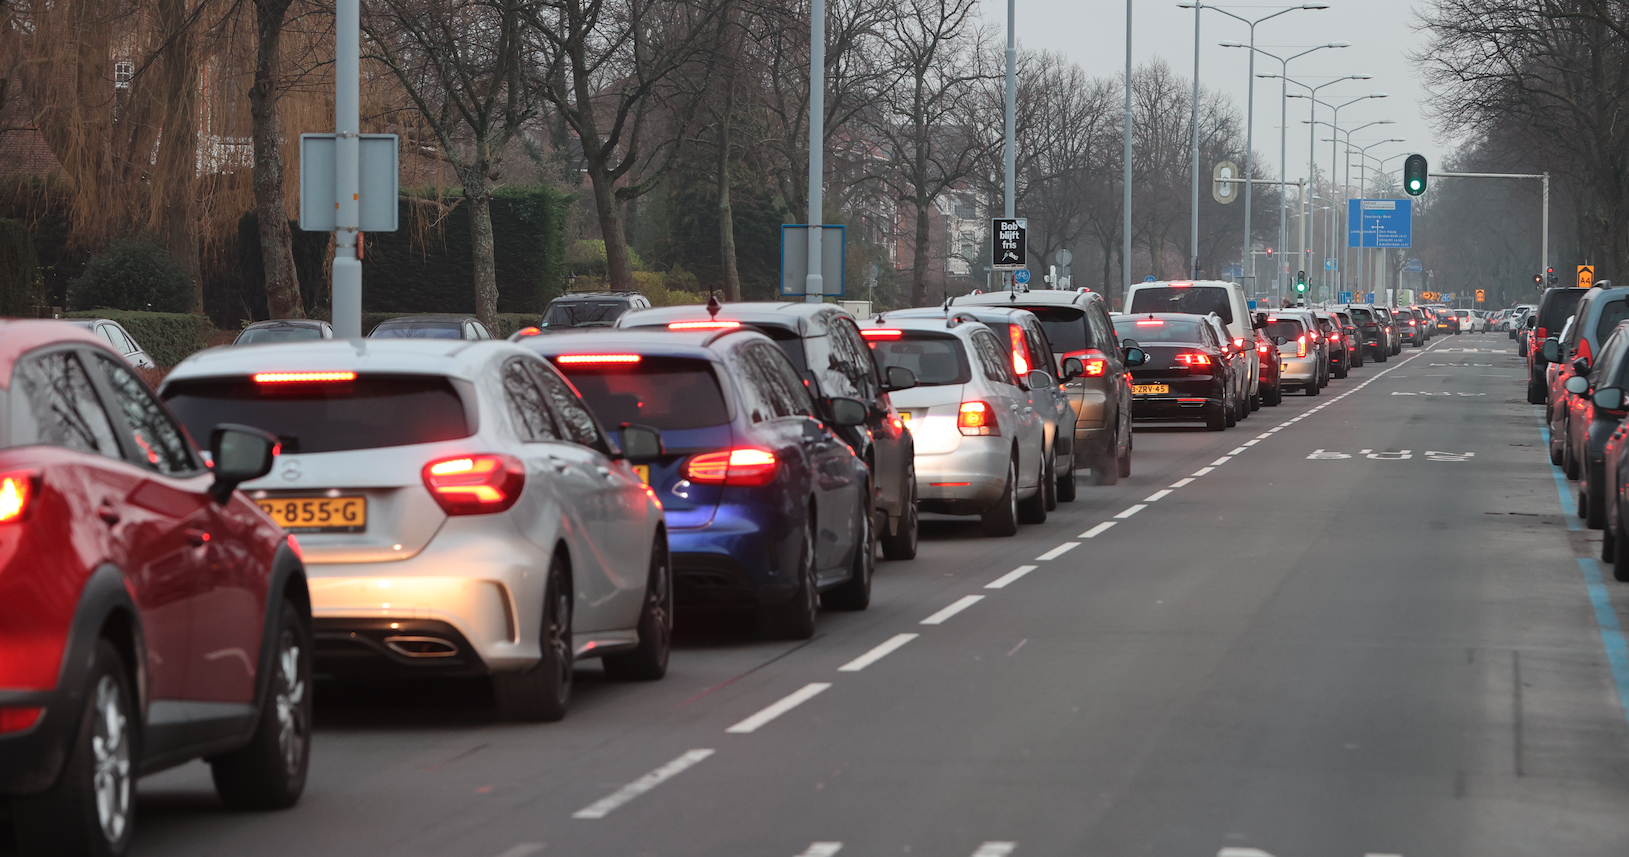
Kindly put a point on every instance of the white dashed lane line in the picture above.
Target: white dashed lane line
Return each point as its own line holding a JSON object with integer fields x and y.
{"x": 963, "y": 603}
{"x": 1058, "y": 551}
{"x": 1157, "y": 496}
{"x": 608, "y": 804}
{"x": 1096, "y": 531}
{"x": 1221, "y": 461}
{"x": 1002, "y": 581}
{"x": 787, "y": 703}
{"x": 1186, "y": 480}
{"x": 822, "y": 849}
{"x": 995, "y": 849}
{"x": 1202, "y": 471}
{"x": 882, "y": 651}
{"x": 1237, "y": 450}
{"x": 524, "y": 849}
{"x": 1131, "y": 511}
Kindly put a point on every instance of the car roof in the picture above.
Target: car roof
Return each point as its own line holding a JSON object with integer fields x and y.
{"x": 19, "y": 336}
{"x": 445, "y": 317}
{"x": 288, "y": 322}
{"x": 786, "y": 314}
{"x": 1038, "y": 297}
{"x": 455, "y": 358}
{"x": 958, "y": 321}
{"x": 648, "y": 341}
{"x": 1204, "y": 283}
{"x": 601, "y": 295}
{"x": 1009, "y": 314}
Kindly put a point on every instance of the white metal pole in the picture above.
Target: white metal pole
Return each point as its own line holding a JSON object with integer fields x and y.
{"x": 1544, "y": 239}
{"x": 814, "y": 284}
{"x": 1283, "y": 178}
{"x": 1303, "y": 208}
{"x": 1011, "y": 164}
{"x": 1193, "y": 129}
{"x": 347, "y": 273}
{"x": 1125, "y": 204}
{"x": 1249, "y": 258}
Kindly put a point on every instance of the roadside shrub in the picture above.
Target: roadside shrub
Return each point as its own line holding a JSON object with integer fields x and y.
{"x": 167, "y": 337}
{"x": 134, "y": 274}
{"x": 20, "y": 284}
{"x": 587, "y": 258}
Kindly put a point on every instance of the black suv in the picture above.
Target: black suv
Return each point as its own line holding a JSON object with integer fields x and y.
{"x": 588, "y": 309}
{"x": 1552, "y": 313}
{"x": 825, "y": 346}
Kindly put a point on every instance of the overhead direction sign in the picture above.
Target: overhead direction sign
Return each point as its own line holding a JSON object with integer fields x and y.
{"x": 1586, "y": 276}
{"x": 1009, "y": 243}
{"x": 1383, "y": 223}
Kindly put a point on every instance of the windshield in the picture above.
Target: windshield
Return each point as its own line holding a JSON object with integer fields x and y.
{"x": 666, "y": 393}
{"x": 418, "y": 330}
{"x": 1194, "y": 300}
{"x": 281, "y": 333}
{"x": 368, "y": 413}
{"x": 1065, "y": 328}
{"x": 936, "y": 358}
{"x": 1158, "y": 330}
{"x": 1288, "y": 328}
{"x": 584, "y": 313}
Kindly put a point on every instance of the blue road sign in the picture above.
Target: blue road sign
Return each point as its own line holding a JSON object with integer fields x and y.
{"x": 1331, "y": 264}
{"x": 1021, "y": 276}
{"x": 1345, "y": 297}
{"x": 1149, "y": 278}
{"x": 1380, "y": 223}
{"x": 1368, "y": 297}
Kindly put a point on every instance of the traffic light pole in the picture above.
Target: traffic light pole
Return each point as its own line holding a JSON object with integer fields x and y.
{"x": 1544, "y": 230}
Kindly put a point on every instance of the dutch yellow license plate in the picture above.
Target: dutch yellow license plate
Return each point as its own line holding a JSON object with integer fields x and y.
{"x": 1149, "y": 389}
{"x": 905, "y": 415}
{"x": 643, "y": 472}
{"x": 318, "y": 514}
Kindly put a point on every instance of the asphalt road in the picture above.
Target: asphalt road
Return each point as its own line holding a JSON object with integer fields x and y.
{"x": 1357, "y": 624}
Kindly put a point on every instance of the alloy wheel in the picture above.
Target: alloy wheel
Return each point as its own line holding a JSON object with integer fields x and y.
{"x": 110, "y": 748}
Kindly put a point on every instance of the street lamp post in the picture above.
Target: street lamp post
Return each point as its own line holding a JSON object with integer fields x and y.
{"x": 1334, "y": 157}
{"x": 1346, "y": 184}
{"x": 1250, "y": 123}
{"x": 1363, "y": 183}
{"x": 1283, "y": 141}
{"x": 1312, "y": 132}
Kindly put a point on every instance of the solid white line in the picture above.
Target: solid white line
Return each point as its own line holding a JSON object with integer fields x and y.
{"x": 523, "y": 849}
{"x": 606, "y": 805}
{"x": 995, "y": 849}
{"x": 878, "y": 653}
{"x": 1221, "y": 461}
{"x": 1058, "y": 551}
{"x": 1096, "y": 531}
{"x": 1238, "y": 450}
{"x": 1131, "y": 511}
{"x": 1203, "y": 470}
{"x": 1187, "y": 480}
{"x": 822, "y": 849}
{"x": 787, "y": 703}
{"x": 1002, "y": 581}
{"x": 940, "y": 617}
{"x": 1157, "y": 496}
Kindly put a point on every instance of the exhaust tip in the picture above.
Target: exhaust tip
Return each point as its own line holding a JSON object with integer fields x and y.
{"x": 422, "y": 647}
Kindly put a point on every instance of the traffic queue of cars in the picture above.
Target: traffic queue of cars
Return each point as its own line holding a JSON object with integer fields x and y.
{"x": 432, "y": 502}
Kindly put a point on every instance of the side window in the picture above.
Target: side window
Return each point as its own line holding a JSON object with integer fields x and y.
{"x": 1611, "y": 361}
{"x": 106, "y": 332}
{"x": 55, "y": 404}
{"x": 783, "y": 390}
{"x": 992, "y": 358}
{"x": 159, "y": 440}
{"x": 528, "y": 406}
{"x": 123, "y": 342}
{"x": 575, "y": 419}
{"x": 1103, "y": 331}
{"x": 751, "y": 382}
{"x": 1040, "y": 350}
{"x": 850, "y": 361}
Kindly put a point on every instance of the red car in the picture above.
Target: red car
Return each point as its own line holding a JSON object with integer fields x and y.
{"x": 150, "y": 614}
{"x": 1272, "y": 389}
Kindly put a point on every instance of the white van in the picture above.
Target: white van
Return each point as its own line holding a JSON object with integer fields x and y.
{"x": 1202, "y": 297}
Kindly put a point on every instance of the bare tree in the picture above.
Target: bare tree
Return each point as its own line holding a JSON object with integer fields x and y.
{"x": 276, "y": 241}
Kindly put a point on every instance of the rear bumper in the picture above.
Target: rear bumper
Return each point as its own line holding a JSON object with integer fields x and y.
{"x": 1297, "y": 371}
{"x": 965, "y": 481}
{"x": 30, "y": 760}
{"x": 1186, "y": 408}
{"x": 734, "y": 561}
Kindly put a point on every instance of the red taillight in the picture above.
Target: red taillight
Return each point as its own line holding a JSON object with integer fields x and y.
{"x": 1193, "y": 358}
{"x": 1020, "y": 363}
{"x": 1301, "y": 346}
{"x": 294, "y": 545}
{"x": 881, "y": 333}
{"x": 18, "y": 719}
{"x": 715, "y": 324}
{"x": 1368, "y": 325}
{"x": 304, "y": 377}
{"x": 1093, "y": 360}
{"x": 1334, "y": 337}
{"x": 596, "y": 359}
{"x": 1262, "y": 349}
{"x": 1412, "y": 324}
{"x": 17, "y": 490}
{"x": 1583, "y": 350}
{"x": 530, "y": 331}
{"x": 742, "y": 467}
{"x": 1542, "y": 333}
{"x": 1238, "y": 344}
{"x": 1150, "y": 322}
{"x": 475, "y": 484}
{"x": 977, "y": 418}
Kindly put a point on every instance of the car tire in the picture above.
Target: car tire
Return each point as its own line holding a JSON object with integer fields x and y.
{"x": 1215, "y": 418}
{"x": 1595, "y": 504}
{"x": 1536, "y": 392}
{"x": 542, "y": 692}
{"x": 1230, "y": 414}
{"x": 1609, "y": 543}
{"x": 649, "y": 661}
{"x": 902, "y": 544}
{"x": 1068, "y": 488}
{"x": 84, "y": 813}
{"x": 1340, "y": 369}
{"x": 1033, "y": 509}
{"x": 1555, "y": 454}
{"x": 1620, "y": 560}
{"x": 855, "y": 593}
{"x": 1385, "y": 356}
{"x": 1122, "y": 465}
{"x": 269, "y": 772}
{"x": 1255, "y": 401}
{"x": 1312, "y": 389}
{"x": 796, "y": 619}
{"x": 1049, "y": 483}
{"x": 1275, "y": 397}
{"x": 1001, "y": 519}
{"x": 1569, "y": 462}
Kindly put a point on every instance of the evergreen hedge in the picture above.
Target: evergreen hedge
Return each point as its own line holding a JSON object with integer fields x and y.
{"x": 20, "y": 284}
{"x": 167, "y": 337}
{"x": 133, "y": 274}
{"x": 427, "y": 265}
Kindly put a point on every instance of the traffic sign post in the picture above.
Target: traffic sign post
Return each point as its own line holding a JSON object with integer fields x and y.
{"x": 1021, "y": 276}
{"x": 1009, "y": 243}
{"x": 795, "y": 260}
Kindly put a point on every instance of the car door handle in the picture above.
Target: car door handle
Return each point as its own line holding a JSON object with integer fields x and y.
{"x": 196, "y": 537}
{"x": 108, "y": 514}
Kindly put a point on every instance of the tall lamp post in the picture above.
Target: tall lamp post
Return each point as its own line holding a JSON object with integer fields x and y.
{"x": 1312, "y": 143}
{"x": 1125, "y": 211}
{"x": 1249, "y": 120}
{"x": 1334, "y": 157}
{"x": 1363, "y": 184}
{"x": 1346, "y": 184}
{"x": 1283, "y": 141}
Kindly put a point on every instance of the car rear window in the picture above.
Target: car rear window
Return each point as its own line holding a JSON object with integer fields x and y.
{"x": 1065, "y": 328}
{"x": 584, "y": 313}
{"x": 419, "y": 330}
{"x": 791, "y": 344}
{"x": 936, "y": 358}
{"x": 1158, "y": 330}
{"x": 666, "y": 393}
{"x": 1195, "y": 300}
{"x": 1612, "y": 313}
{"x": 372, "y": 412}
{"x": 291, "y": 333}
{"x": 1289, "y": 328}
{"x": 1558, "y": 304}
{"x": 1362, "y": 316}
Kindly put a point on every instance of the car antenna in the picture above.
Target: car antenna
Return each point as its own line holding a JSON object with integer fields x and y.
{"x": 713, "y": 305}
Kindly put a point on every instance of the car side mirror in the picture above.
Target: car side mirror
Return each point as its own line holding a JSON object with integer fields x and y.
{"x": 1279, "y": 340}
{"x": 1128, "y": 343}
{"x": 847, "y": 412}
{"x": 1073, "y": 368}
{"x": 899, "y": 378}
{"x": 1532, "y": 321}
{"x": 638, "y": 441}
{"x": 1581, "y": 366}
{"x": 1578, "y": 385}
{"x": 1550, "y": 351}
{"x": 1259, "y": 322}
{"x": 237, "y": 455}
{"x": 1036, "y": 379}
{"x": 1135, "y": 356}
{"x": 1610, "y": 399}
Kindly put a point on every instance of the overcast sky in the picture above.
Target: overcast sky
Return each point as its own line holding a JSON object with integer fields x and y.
{"x": 1092, "y": 34}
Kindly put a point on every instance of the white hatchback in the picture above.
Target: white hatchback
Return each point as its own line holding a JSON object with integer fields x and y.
{"x": 460, "y": 510}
